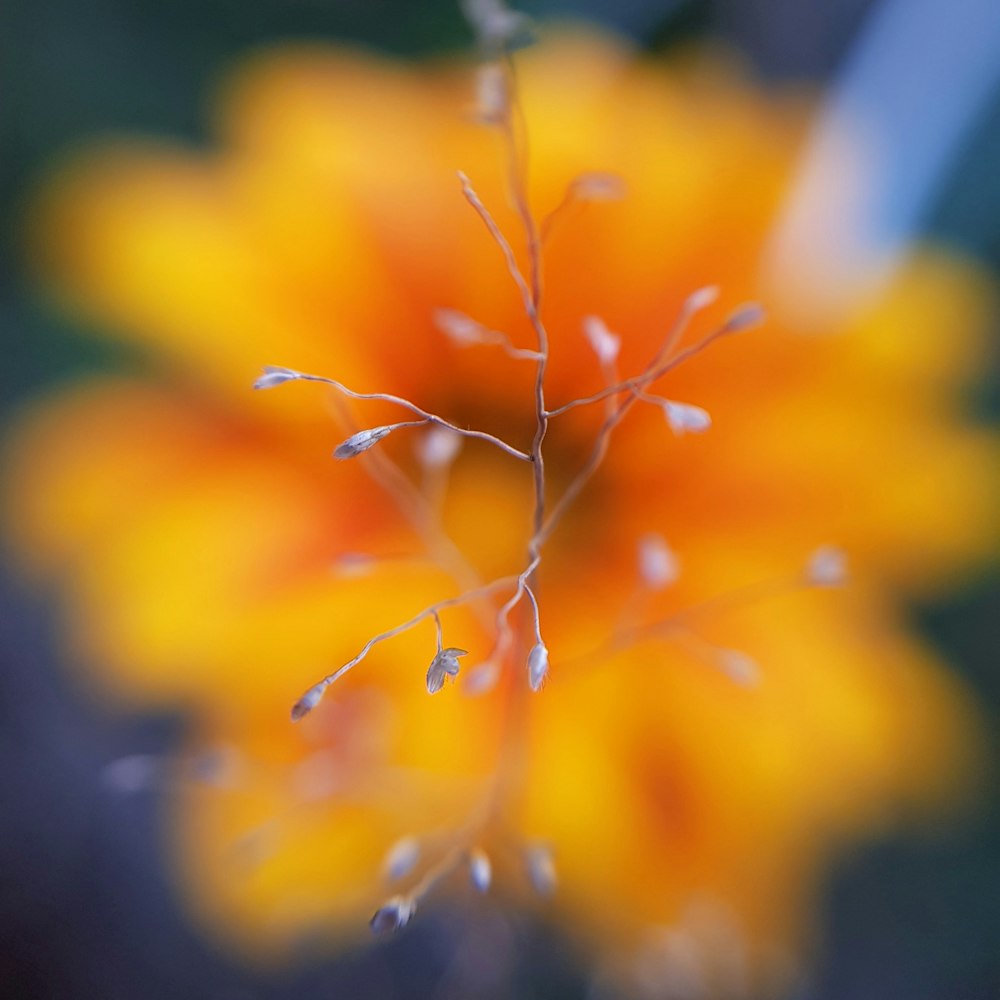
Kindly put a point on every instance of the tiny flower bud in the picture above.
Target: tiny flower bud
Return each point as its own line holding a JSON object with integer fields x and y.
{"x": 134, "y": 773}
{"x": 362, "y": 441}
{"x": 438, "y": 447}
{"x": 603, "y": 342}
{"x": 480, "y": 870}
{"x": 538, "y": 666}
{"x": 445, "y": 663}
{"x": 745, "y": 317}
{"x": 657, "y": 564}
{"x": 354, "y": 564}
{"x": 218, "y": 766}
{"x": 451, "y": 663}
{"x": 684, "y": 418}
{"x": 461, "y": 329}
{"x": 493, "y": 22}
{"x": 393, "y": 916}
{"x": 308, "y": 701}
{"x": 701, "y": 299}
{"x": 492, "y": 100}
{"x": 827, "y": 567}
{"x": 275, "y": 375}
{"x": 401, "y": 858}
{"x": 739, "y": 667}
{"x": 541, "y": 869}
{"x": 598, "y": 186}
{"x": 482, "y": 679}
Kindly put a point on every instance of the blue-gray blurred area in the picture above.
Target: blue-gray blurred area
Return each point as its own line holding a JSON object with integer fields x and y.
{"x": 86, "y": 906}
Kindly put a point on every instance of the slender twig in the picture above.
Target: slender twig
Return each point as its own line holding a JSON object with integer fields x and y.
{"x": 469, "y": 192}
{"x": 427, "y": 416}
{"x": 416, "y": 509}
{"x": 429, "y": 612}
{"x": 650, "y": 375}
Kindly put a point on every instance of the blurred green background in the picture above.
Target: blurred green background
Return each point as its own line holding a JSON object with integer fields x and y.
{"x": 86, "y": 909}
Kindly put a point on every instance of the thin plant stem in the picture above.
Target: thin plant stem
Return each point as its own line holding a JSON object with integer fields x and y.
{"x": 427, "y": 417}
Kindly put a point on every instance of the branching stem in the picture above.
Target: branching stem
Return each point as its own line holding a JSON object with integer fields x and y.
{"x": 426, "y": 416}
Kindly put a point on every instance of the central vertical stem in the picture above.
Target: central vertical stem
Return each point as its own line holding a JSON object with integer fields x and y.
{"x": 517, "y": 158}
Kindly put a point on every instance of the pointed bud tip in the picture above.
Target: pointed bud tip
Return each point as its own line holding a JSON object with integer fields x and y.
{"x": 538, "y": 666}
{"x": 438, "y": 448}
{"x": 480, "y": 870}
{"x": 492, "y": 97}
{"x": 685, "y": 418}
{"x": 394, "y": 916}
{"x": 495, "y": 24}
{"x": 481, "y": 679}
{"x": 308, "y": 701}
{"x": 362, "y": 441}
{"x": 827, "y": 567}
{"x": 747, "y": 316}
{"x": 702, "y": 298}
{"x": 740, "y": 667}
{"x": 401, "y": 858}
{"x": 541, "y": 869}
{"x": 599, "y": 186}
{"x": 131, "y": 774}
{"x": 603, "y": 342}
{"x": 658, "y": 566}
{"x": 444, "y": 664}
{"x": 276, "y": 375}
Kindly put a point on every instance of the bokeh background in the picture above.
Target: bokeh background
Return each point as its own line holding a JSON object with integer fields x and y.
{"x": 86, "y": 907}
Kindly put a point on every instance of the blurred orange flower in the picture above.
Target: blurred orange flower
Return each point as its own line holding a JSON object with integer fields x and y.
{"x": 213, "y": 557}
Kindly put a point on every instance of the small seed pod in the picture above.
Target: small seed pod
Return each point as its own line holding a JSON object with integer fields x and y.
{"x": 444, "y": 664}
{"x": 401, "y": 858}
{"x": 657, "y": 563}
{"x": 745, "y": 317}
{"x": 827, "y": 567}
{"x": 276, "y": 375}
{"x": 598, "y": 186}
{"x": 308, "y": 701}
{"x": 362, "y": 441}
{"x": 684, "y": 418}
{"x": 439, "y": 447}
{"x": 603, "y": 342}
{"x": 702, "y": 298}
{"x": 480, "y": 870}
{"x": 393, "y": 916}
{"x": 538, "y": 666}
{"x": 541, "y": 869}
{"x": 482, "y": 679}
{"x": 739, "y": 667}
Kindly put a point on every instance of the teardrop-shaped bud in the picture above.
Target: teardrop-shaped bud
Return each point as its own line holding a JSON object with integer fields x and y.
{"x": 308, "y": 701}
{"x": 599, "y": 186}
{"x": 603, "y": 342}
{"x": 827, "y": 567}
{"x": 276, "y": 375}
{"x": 480, "y": 870}
{"x": 739, "y": 667}
{"x": 362, "y": 441}
{"x": 541, "y": 869}
{"x": 438, "y": 448}
{"x": 684, "y": 418}
{"x": 481, "y": 679}
{"x": 701, "y": 299}
{"x": 444, "y": 664}
{"x": 393, "y": 916}
{"x": 745, "y": 317}
{"x": 538, "y": 666}
{"x": 401, "y": 858}
{"x": 657, "y": 563}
